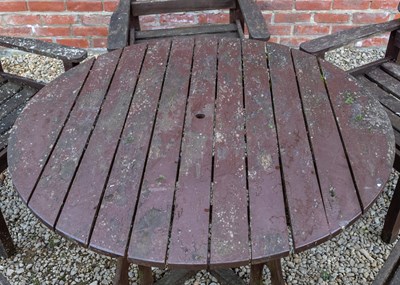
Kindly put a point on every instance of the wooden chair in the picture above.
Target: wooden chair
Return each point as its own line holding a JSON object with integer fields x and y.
{"x": 15, "y": 91}
{"x": 125, "y": 26}
{"x": 382, "y": 77}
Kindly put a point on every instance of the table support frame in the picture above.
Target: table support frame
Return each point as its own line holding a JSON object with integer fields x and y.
{"x": 178, "y": 276}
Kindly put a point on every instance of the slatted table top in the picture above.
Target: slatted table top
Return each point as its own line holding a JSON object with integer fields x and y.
{"x": 196, "y": 153}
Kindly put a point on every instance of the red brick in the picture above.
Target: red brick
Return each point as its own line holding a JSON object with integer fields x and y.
{"x": 331, "y": 18}
{"x": 311, "y": 30}
{"x": 90, "y": 31}
{"x": 110, "y": 6}
{"x": 369, "y": 18}
{"x": 49, "y": 40}
{"x": 148, "y": 20}
{"x": 351, "y": 4}
{"x": 46, "y": 6}
{"x": 274, "y": 39}
{"x": 313, "y": 5}
{"x": 53, "y": 31}
{"x": 94, "y": 20}
{"x": 58, "y": 19}
{"x": 213, "y": 18}
{"x": 372, "y": 42}
{"x": 177, "y": 19}
{"x": 275, "y": 4}
{"x": 338, "y": 28}
{"x": 82, "y": 43}
{"x": 294, "y": 41}
{"x": 84, "y": 6}
{"x": 11, "y": 6}
{"x": 19, "y": 20}
{"x": 384, "y": 4}
{"x": 99, "y": 42}
{"x": 292, "y": 17}
{"x": 281, "y": 30}
{"x": 267, "y": 18}
{"x": 15, "y": 31}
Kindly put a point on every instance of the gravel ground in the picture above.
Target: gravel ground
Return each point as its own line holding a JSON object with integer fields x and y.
{"x": 353, "y": 257}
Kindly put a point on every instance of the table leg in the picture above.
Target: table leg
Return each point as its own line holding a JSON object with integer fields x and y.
{"x": 121, "y": 276}
{"x": 276, "y": 272}
{"x": 256, "y": 274}
{"x": 145, "y": 275}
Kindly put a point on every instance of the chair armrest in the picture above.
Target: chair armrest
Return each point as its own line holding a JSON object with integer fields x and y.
{"x": 254, "y": 20}
{"x": 118, "y": 34}
{"x": 69, "y": 55}
{"x": 323, "y": 44}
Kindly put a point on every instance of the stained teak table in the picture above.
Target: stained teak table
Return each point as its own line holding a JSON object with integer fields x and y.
{"x": 201, "y": 154}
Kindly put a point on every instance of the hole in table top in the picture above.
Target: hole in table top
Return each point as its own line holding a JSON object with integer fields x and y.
{"x": 200, "y": 116}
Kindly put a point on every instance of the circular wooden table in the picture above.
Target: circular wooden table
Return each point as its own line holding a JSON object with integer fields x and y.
{"x": 201, "y": 154}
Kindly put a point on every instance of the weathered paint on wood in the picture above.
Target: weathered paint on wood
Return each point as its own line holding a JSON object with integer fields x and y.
{"x": 80, "y": 207}
{"x": 189, "y": 245}
{"x": 150, "y": 233}
{"x": 229, "y": 222}
{"x": 385, "y": 81}
{"x": 269, "y": 234}
{"x": 120, "y": 196}
{"x": 18, "y": 99}
{"x": 170, "y": 134}
{"x": 363, "y": 123}
{"x": 57, "y": 176}
{"x": 42, "y": 121}
{"x": 336, "y": 183}
{"x": 309, "y": 223}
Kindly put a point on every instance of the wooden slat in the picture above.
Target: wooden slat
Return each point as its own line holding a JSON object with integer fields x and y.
{"x": 7, "y": 90}
{"x": 385, "y": 81}
{"x": 118, "y": 31}
{"x": 86, "y": 191}
{"x": 309, "y": 223}
{"x": 189, "y": 245}
{"x": 386, "y": 99}
{"x": 58, "y": 174}
{"x": 326, "y": 43}
{"x": 336, "y": 183}
{"x": 363, "y": 123}
{"x": 8, "y": 121}
{"x": 150, "y": 233}
{"x": 17, "y": 100}
{"x": 186, "y": 31}
{"x": 113, "y": 224}
{"x": 269, "y": 234}
{"x": 392, "y": 68}
{"x": 230, "y": 228}
{"x": 233, "y": 35}
{"x": 140, "y": 8}
{"x": 391, "y": 264}
{"x": 44, "y": 114}
{"x": 255, "y": 21}
{"x": 53, "y": 50}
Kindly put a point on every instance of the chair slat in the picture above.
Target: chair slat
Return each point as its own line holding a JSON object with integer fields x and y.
{"x": 173, "y": 6}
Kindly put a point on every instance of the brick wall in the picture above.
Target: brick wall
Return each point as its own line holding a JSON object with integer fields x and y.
{"x": 84, "y": 22}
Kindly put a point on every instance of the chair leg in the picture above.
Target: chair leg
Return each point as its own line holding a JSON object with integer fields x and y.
{"x": 256, "y": 271}
{"x": 145, "y": 275}
{"x": 7, "y": 247}
{"x": 275, "y": 268}
{"x": 392, "y": 221}
{"x": 121, "y": 275}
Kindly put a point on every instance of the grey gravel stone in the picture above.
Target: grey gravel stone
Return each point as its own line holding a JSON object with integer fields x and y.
{"x": 353, "y": 257}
